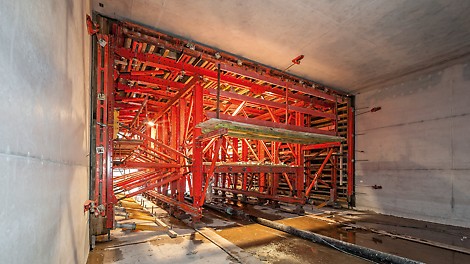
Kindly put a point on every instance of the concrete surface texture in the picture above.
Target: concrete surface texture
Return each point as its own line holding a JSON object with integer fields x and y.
{"x": 158, "y": 247}
{"x": 44, "y": 142}
{"x": 149, "y": 243}
{"x": 347, "y": 44}
{"x": 417, "y": 147}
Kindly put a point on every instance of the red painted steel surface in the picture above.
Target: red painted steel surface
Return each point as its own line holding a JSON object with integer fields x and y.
{"x": 350, "y": 154}
{"x": 164, "y": 89}
{"x": 103, "y": 193}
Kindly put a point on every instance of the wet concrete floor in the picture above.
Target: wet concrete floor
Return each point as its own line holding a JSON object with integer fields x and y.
{"x": 272, "y": 246}
{"x": 277, "y": 247}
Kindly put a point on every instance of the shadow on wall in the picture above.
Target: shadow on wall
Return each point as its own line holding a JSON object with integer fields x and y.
{"x": 466, "y": 72}
{"x": 395, "y": 90}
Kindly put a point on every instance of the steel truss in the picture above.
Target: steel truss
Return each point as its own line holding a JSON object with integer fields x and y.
{"x": 163, "y": 142}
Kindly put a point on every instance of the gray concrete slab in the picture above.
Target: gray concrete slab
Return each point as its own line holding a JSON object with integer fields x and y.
{"x": 417, "y": 147}
{"x": 347, "y": 44}
{"x": 151, "y": 244}
{"x": 44, "y": 142}
{"x": 162, "y": 249}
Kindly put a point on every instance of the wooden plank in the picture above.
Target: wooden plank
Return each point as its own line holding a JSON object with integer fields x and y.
{"x": 270, "y": 124}
{"x": 227, "y": 246}
{"x": 243, "y": 130}
{"x": 170, "y": 232}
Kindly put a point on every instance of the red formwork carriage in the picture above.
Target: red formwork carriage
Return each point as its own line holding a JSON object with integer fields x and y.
{"x": 188, "y": 121}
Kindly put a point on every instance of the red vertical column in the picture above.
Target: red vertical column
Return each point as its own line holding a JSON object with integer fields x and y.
{"x": 159, "y": 133}
{"x": 350, "y": 141}
{"x": 262, "y": 175}
{"x": 166, "y": 130}
{"x": 109, "y": 91}
{"x": 244, "y": 158}
{"x": 165, "y": 139}
{"x": 300, "y": 178}
{"x": 174, "y": 136}
{"x": 104, "y": 133}
{"x": 180, "y": 142}
{"x": 197, "y": 146}
{"x": 334, "y": 174}
{"x": 99, "y": 130}
{"x": 235, "y": 150}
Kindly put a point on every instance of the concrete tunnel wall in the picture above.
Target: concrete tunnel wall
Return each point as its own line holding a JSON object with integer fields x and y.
{"x": 417, "y": 147}
{"x": 44, "y": 131}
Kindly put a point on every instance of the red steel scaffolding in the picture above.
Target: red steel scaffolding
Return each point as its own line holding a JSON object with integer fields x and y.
{"x": 175, "y": 119}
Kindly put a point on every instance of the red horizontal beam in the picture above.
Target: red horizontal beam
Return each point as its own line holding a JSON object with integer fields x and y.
{"x": 128, "y": 107}
{"x": 152, "y": 80}
{"x": 149, "y": 165}
{"x": 159, "y": 61}
{"x": 158, "y": 72}
{"x": 286, "y": 199}
{"x": 138, "y": 101}
{"x": 321, "y": 146}
{"x": 200, "y": 52}
{"x": 144, "y": 90}
{"x": 276, "y": 81}
{"x": 193, "y": 211}
{"x": 263, "y": 102}
{"x": 251, "y": 169}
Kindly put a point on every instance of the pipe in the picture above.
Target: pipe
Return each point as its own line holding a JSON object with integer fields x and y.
{"x": 130, "y": 226}
{"x": 227, "y": 210}
{"x": 363, "y": 252}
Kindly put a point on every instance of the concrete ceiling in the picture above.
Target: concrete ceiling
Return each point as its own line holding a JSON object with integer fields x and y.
{"x": 349, "y": 45}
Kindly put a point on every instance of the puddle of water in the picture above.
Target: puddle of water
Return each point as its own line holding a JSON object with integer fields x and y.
{"x": 404, "y": 248}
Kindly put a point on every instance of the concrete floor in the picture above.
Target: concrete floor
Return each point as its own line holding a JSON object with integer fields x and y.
{"x": 151, "y": 244}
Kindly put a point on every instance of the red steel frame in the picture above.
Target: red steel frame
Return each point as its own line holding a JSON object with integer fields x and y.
{"x": 104, "y": 198}
{"x": 351, "y": 153}
{"x": 175, "y": 88}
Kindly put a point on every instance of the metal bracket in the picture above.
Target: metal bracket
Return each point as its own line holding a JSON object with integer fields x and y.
{"x": 191, "y": 45}
{"x": 92, "y": 27}
{"x": 101, "y": 96}
{"x": 102, "y": 42}
{"x": 101, "y": 124}
{"x": 100, "y": 150}
{"x": 90, "y": 205}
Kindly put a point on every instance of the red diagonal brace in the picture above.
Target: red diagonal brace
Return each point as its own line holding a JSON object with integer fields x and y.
{"x": 210, "y": 173}
{"x": 153, "y": 186}
{"x": 319, "y": 172}
{"x": 158, "y": 143}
